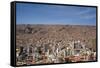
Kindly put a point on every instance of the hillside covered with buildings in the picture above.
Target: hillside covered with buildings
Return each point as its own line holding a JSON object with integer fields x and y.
{"x": 43, "y": 44}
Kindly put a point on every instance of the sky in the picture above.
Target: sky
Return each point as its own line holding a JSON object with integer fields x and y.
{"x": 54, "y": 14}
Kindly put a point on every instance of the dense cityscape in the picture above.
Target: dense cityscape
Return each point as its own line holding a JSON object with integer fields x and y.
{"x": 43, "y": 44}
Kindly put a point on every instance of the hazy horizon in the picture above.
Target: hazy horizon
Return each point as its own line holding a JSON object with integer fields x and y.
{"x": 58, "y": 24}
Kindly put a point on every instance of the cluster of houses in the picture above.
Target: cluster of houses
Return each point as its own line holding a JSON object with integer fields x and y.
{"x": 53, "y": 52}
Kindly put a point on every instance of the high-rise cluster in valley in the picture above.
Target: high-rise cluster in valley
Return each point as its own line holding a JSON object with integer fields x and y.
{"x": 43, "y": 45}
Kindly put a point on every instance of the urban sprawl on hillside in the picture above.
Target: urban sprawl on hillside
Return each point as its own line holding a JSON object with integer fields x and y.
{"x": 44, "y": 44}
